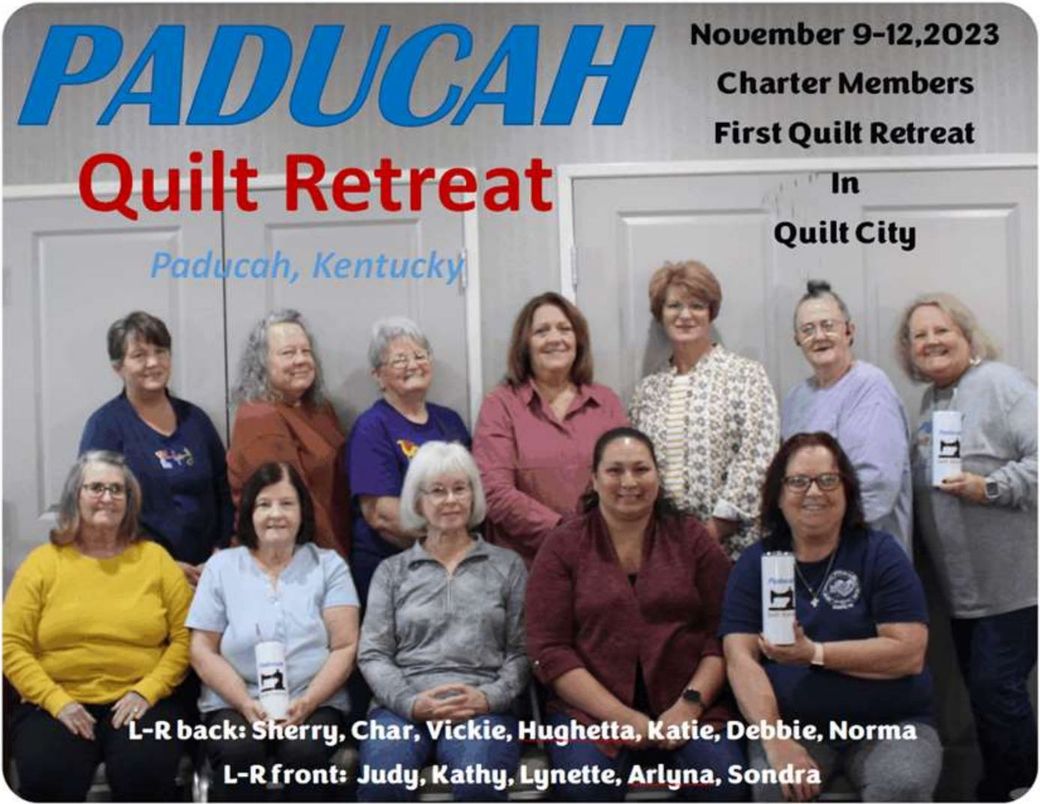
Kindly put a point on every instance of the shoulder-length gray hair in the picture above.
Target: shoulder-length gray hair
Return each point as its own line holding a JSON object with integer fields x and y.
{"x": 68, "y": 506}
{"x": 435, "y": 458}
{"x": 387, "y": 330}
{"x": 982, "y": 346}
{"x": 253, "y": 382}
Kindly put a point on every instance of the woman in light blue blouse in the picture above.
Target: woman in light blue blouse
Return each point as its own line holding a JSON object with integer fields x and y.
{"x": 443, "y": 636}
{"x": 278, "y": 586}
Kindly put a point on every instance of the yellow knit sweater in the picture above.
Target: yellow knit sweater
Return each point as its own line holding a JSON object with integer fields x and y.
{"x": 86, "y": 629}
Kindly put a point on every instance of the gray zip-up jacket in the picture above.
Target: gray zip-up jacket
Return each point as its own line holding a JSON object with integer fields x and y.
{"x": 424, "y": 627}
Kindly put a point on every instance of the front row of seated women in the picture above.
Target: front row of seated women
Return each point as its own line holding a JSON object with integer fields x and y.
{"x": 624, "y": 609}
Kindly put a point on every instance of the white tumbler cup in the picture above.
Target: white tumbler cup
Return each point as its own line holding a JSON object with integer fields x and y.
{"x": 778, "y": 597}
{"x": 271, "y": 679}
{"x": 947, "y": 427}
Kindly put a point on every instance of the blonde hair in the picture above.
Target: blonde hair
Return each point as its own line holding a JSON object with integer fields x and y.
{"x": 982, "y": 346}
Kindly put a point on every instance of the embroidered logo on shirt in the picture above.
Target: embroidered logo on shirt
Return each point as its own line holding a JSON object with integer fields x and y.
{"x": 409, "y": 448}
{"x": 171, "y": 459}
{"x": 841, "y": 590}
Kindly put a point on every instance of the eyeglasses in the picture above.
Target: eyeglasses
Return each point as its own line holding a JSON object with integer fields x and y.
{"x": 828, "y": 326}
{"x": 828, "y": 481}
{"x": 440, "y": 494}
{"x": 116, "y": 490}
{"x": 399, "y": 361}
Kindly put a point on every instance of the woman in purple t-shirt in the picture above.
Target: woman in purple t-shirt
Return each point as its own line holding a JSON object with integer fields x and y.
{"x": 386, "y": 437}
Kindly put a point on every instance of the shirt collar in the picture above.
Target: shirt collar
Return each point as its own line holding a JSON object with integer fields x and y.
{"x": 588, "y": 393}
{"x": 417, "y": 555}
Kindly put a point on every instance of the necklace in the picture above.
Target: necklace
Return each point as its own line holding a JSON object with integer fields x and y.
{"x": 814, "y": 594}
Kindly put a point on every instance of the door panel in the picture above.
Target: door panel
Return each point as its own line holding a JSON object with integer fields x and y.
{"x": 68, "y": 274}
{"x": 341, "y": 311}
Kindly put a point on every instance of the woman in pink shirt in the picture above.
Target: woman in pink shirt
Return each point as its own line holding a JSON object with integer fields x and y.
{"x": 535, "y": 433}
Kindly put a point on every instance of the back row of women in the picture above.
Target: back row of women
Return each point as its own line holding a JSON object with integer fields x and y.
{"x": 607, "y": 651}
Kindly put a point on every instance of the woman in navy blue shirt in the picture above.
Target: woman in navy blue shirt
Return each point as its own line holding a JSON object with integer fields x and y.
{"x": 171, "y": 446}
{"x": 855, "y": 672}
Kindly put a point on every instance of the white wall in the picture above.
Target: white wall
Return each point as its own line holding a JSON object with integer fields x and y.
{"x": 670, "y": 117}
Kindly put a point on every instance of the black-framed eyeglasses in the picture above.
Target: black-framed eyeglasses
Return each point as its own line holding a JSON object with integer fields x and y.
{"x": 116, "y": 490}
{"x": 828, "y": 481}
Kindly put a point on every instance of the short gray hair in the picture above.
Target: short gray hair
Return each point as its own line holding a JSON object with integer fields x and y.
{"x": 68, "y": 506}
{"x": 387, "y": 330}
{"x": 435, "y": 458}
{"x": 982, "y": 346}
{"x": 253, "y": 382}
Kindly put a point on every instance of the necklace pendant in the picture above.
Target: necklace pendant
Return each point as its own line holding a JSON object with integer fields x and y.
{"x": 815, "y": 602}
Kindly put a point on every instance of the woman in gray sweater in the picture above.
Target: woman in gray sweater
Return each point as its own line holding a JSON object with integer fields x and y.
{"x": 443, "y": 640}
{"x": 980, "y": 524}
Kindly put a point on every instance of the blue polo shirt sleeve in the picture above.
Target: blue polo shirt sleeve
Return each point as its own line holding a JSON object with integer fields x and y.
{"x": 102, "y": 431}
{"x": 742, "y": 604}
{"x": 208, "y": 610}
{"x": 339, "y": 588}
{"x": 896, "y": 594}
{"x": 372, "y": 464}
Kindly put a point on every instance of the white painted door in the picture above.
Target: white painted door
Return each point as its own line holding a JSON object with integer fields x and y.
{"x": 68, "y": 274}
{"x": 341, "y": 310}
{"x": 975, "y": 237}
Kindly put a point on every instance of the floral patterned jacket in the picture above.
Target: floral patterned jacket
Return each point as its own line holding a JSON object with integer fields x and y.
{"x": 731, "y": 431}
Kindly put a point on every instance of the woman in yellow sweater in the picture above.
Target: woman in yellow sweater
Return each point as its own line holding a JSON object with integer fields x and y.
{"x": 94, "y": 639}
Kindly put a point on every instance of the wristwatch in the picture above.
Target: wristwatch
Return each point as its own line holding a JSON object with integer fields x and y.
{"x": 693, "y": 696}
{"x": 992, "y": 490}
{"x": 817, "y": 656}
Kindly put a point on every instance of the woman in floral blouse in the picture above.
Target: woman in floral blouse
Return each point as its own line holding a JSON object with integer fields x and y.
{"x": 711, "y": 414}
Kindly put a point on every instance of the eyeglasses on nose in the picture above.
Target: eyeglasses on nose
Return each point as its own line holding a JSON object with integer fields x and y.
{"x": 402, "y": 360}
{"x": 441, "y": 494}
{"x": 828, "y": 326}
{"x": 115, "y": 490}
{"x": 828, "y": 481}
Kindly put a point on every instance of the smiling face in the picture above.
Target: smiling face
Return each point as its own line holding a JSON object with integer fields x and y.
{"x": 823, "y": 335}
{"x": 685, "y": 317}
{"x": 402, "y": 373}
{"x": 626, "y": 480}
{"x": 813, "y": 512}
{"x": 552, "y": 345}
{"x": 290, "y": 363}
{"x": 145, "y": 367}
{"x": 446, "y": 501}
{"x": 937, "y": 346}
{"x": 277, "y": 515}
{"x": 104, "y": 511}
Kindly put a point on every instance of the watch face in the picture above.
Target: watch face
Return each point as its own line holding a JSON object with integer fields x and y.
{"x": 992, "y": 490}
{"x": 693, "y": 696}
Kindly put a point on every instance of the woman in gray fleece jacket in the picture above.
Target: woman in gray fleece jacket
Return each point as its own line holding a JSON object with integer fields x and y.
{"x": 980, "y": 525}
{"x": 443, "y": 640}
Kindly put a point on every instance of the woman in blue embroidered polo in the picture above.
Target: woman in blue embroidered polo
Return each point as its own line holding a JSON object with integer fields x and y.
{"x": 851, "y": 693}
{"x": 171, "y": 446}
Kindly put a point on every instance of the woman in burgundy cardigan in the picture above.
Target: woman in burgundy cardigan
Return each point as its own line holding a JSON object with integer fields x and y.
{"x": 623, "y": 604}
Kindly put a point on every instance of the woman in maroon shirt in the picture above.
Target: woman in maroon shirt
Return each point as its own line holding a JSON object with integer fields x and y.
{"x": 622, "y": 608}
